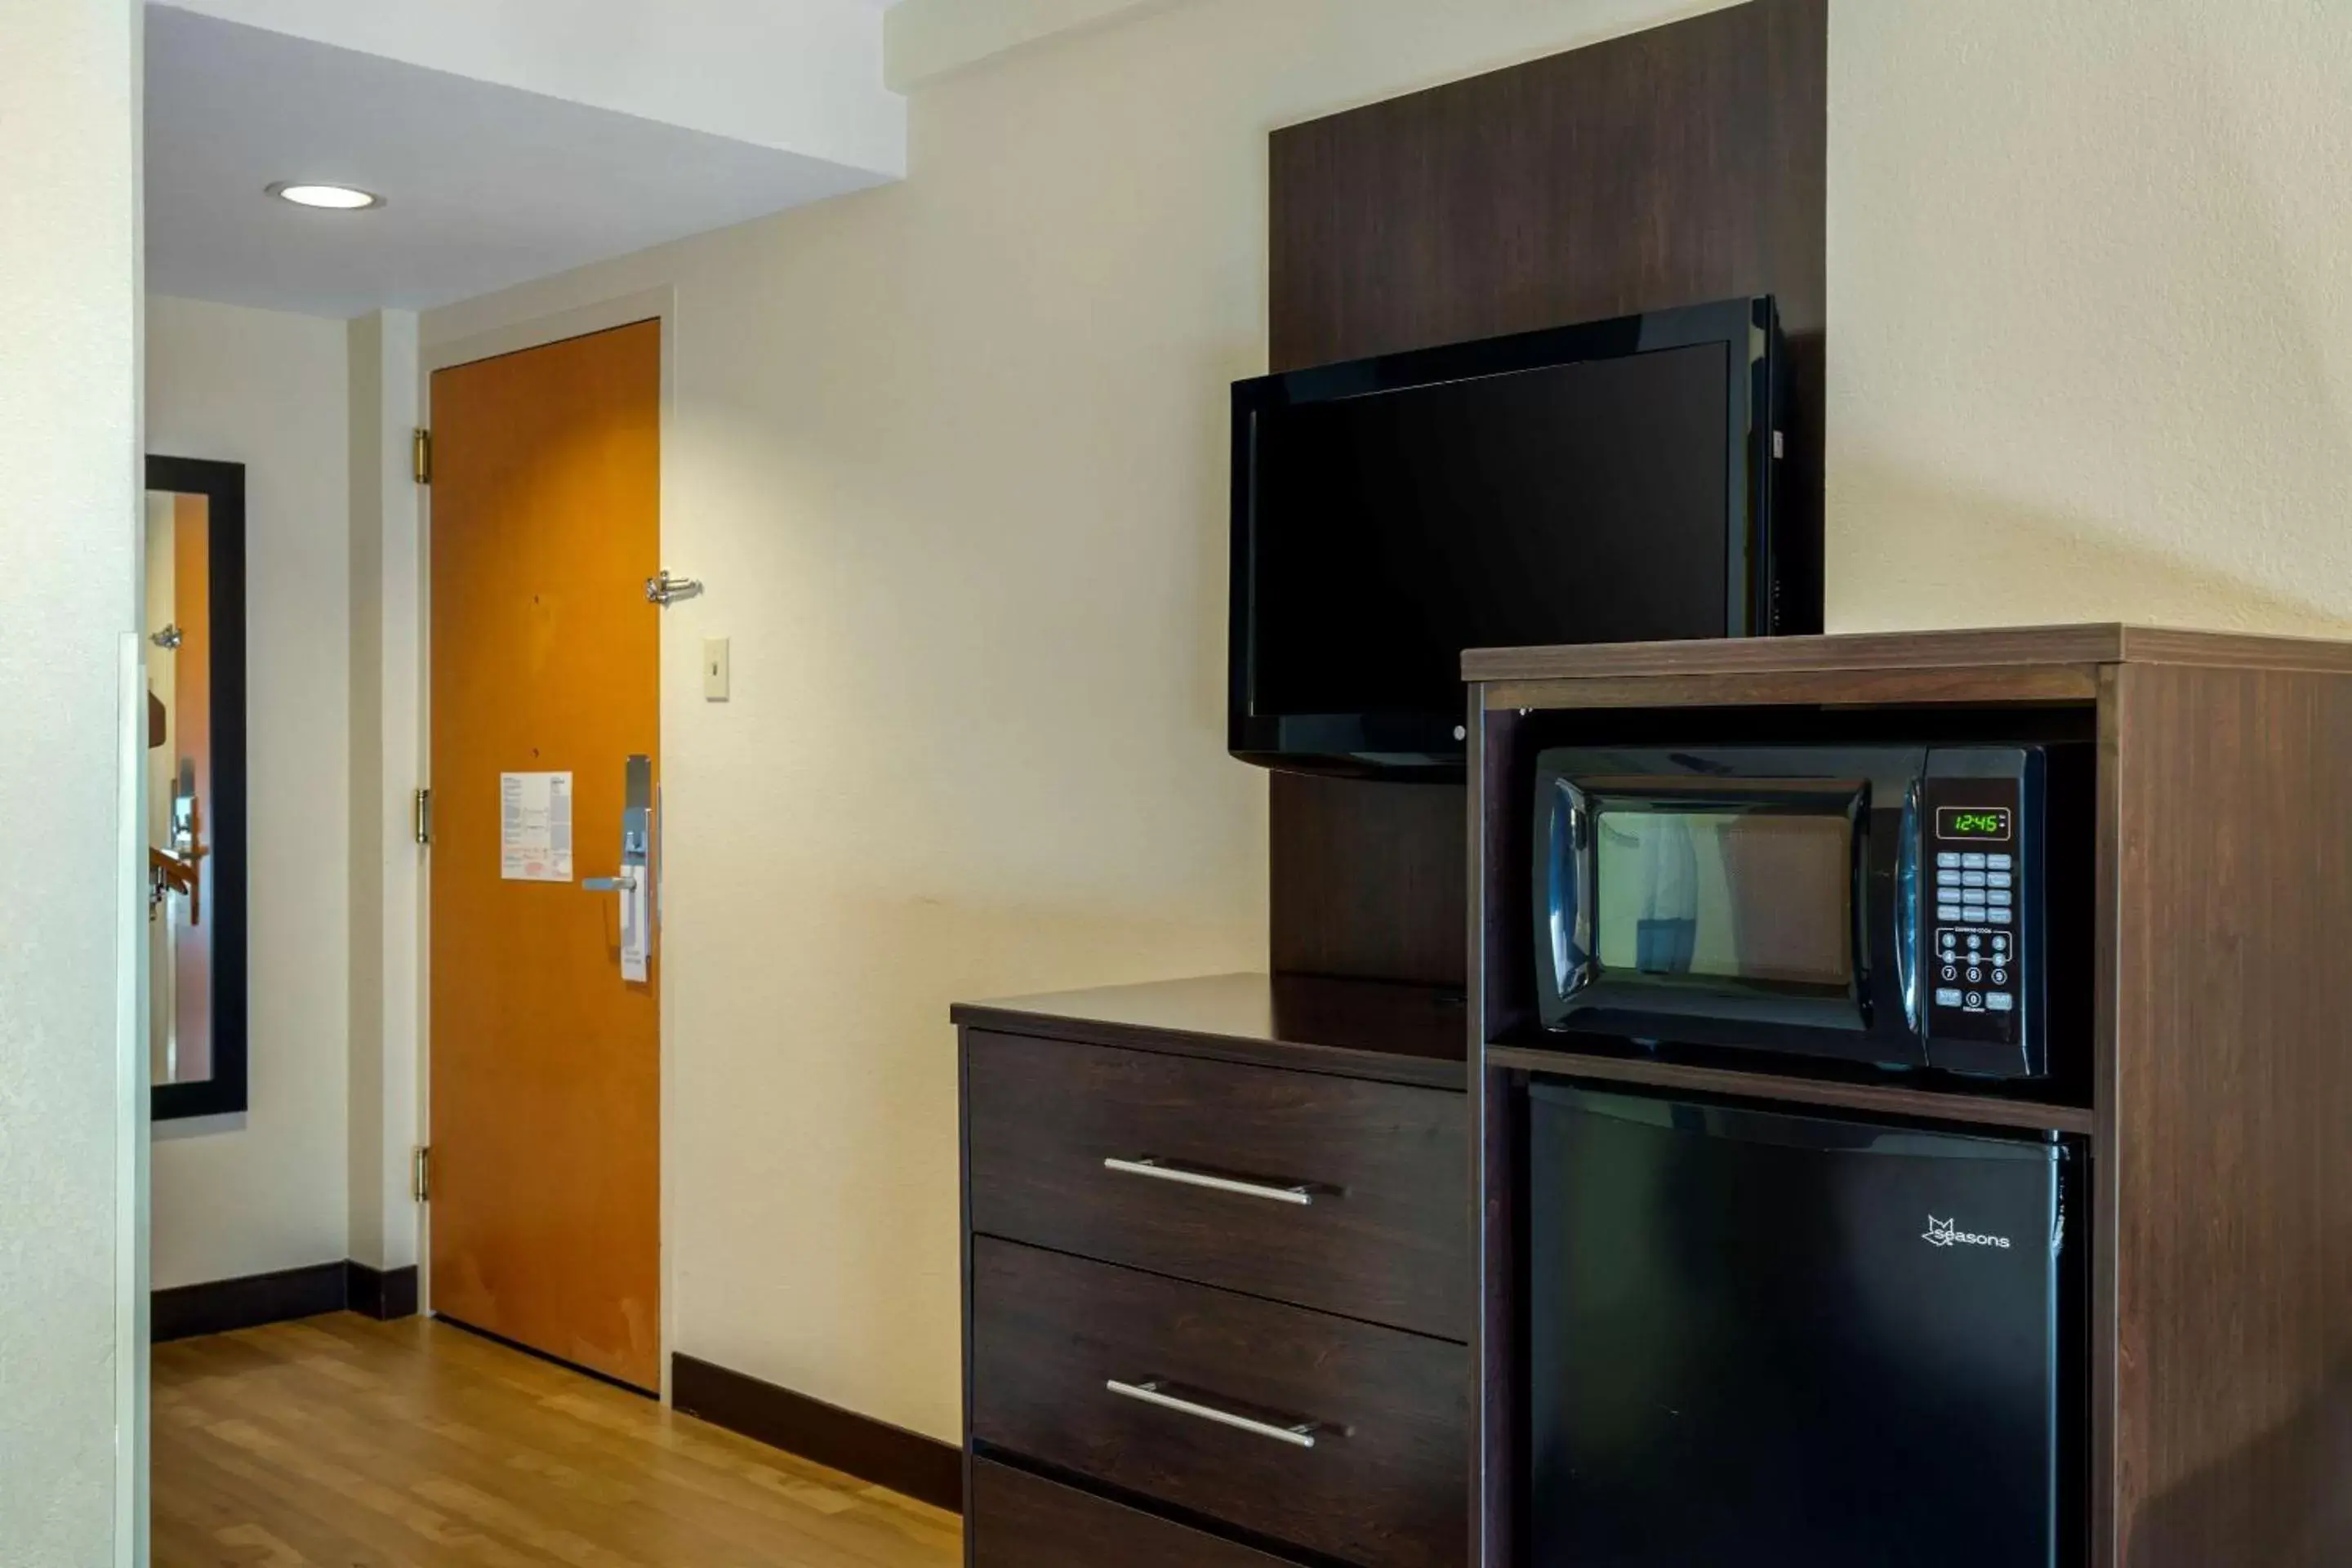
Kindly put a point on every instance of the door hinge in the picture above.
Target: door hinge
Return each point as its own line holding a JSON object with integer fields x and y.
{"x": 420, "y": 455}
{"x": 421, "y": 818}
{"x": 420, "y": 1182}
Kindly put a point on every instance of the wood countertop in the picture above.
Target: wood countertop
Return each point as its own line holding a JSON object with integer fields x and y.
{"x": 2105, "y": 643}
{"x": 2002, "y": 664}
{"x": 1357, "y": 1028}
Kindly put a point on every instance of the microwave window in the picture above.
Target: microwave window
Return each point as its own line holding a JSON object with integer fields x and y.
{"x": 1759, "y": 896}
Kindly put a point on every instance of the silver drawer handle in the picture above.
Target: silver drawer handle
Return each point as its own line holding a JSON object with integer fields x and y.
{"x": 1159, "y": 1171}
{"x": 1300, "y": 1435}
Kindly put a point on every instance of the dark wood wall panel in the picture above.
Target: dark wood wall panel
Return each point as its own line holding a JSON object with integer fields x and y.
{"x": 1670, "y": 167}
{"x": 1369, "y": 881}
{"x": 2232, "y": 1260}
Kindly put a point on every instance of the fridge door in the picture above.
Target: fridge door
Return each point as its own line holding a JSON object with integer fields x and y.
{"x": 1766, "y": 1339}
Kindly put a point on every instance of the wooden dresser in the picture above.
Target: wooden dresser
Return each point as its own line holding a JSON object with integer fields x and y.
{"x": 1218, "y": 1283}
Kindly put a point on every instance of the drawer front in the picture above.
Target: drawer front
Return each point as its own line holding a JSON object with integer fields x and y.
{"x": 1382, "y": 1232}
{"x": 1020, "y": 1520}
{"x": 1386, "y": 1483}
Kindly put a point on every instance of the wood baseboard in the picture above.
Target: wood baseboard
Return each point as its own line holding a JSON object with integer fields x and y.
{"x": 919, "y": 1466}
{"x": 380, "y": 1293}
{"x": 221, "y": 1306}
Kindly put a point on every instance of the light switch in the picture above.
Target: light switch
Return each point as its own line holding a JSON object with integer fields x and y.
{"x": 714, "y": 669}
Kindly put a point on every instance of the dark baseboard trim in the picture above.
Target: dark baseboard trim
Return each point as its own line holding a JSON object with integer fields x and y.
{"x": 186, "y": 1310}
{"x": 383, "y": 1294}
{"x": 221, "y": 1306}
{"x": 921, "y": 1468}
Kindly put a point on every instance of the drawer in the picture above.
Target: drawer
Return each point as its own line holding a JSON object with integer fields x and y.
{"x": 1016, "y": 1520}
{"x": 1384, "y": 1484}
{"x": 1355, "y": 1195}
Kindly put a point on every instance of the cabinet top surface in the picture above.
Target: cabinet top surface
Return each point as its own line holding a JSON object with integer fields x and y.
{"x": 1358, "y": 1027}
{"x": 2106, "y": 643}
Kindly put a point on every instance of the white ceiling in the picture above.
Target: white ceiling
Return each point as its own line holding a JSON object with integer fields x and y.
{"x": 486, "y": 184}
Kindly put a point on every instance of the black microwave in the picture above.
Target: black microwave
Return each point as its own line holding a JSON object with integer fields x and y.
{"x": 1884, "y": 905}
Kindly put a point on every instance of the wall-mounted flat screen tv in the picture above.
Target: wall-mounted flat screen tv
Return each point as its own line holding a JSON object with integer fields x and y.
{"x": 1610, "y": 482}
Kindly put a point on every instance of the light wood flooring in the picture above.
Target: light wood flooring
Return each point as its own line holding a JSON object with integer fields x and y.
{"x": 345, "y": 1443}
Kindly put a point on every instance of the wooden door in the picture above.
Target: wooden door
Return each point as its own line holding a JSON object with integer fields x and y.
{"x": 189, "y": 771}
{"x": 545, "y": 1063}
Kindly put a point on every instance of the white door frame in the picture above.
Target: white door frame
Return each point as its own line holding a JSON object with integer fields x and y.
{"x": 622, "y": 310}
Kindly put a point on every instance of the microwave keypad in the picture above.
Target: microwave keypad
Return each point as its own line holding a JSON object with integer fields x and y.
{"x": 1974, "y": 877}
{"x": 1973, "y": 969}
{"x": 1977, "y": 887}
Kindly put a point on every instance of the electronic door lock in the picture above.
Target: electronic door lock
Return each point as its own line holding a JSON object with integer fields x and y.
{"x": 634, "y": 881}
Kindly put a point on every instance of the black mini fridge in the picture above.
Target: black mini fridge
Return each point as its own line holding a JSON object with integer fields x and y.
{"x": 1768, "y": 1338}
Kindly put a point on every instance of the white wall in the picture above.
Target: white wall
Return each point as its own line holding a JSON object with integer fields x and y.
{"x": 951, "y": 456}
{"x": 71, "y": 1362}
{"x": 266, "y": 1190}
{"x": 926, "y": 38}
{"x": 387, "y": 647}
{"x": 2090, "y": 350}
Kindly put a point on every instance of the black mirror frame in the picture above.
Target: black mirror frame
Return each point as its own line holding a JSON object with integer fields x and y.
{"x": 223, "y": 487}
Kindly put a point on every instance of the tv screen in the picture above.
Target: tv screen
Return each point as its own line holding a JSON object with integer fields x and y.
{"x": 1592, "y": 484}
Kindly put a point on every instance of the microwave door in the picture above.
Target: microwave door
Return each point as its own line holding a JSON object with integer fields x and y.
{"x": 1723, "y": 899}
{"x": 1666, "y": 925}
{"x": 1730, "y": 904}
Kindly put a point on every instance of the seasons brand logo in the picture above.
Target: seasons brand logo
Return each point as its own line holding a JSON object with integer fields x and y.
{"x": 1946, "y": 1233}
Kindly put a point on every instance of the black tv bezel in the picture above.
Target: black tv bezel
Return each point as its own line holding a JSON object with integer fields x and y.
{"x": 1434, "y": 745}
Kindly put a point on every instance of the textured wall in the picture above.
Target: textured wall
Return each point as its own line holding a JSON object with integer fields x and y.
{"x": 386, "y": 643}
{"x": 69, "y": 585}
{"x": 2093, "y": 345}
{"x": 266, "y": 1190}
{"x": 952, "y": 457}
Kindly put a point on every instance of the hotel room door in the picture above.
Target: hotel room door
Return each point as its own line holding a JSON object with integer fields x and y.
{"x": 545, "y": 1047}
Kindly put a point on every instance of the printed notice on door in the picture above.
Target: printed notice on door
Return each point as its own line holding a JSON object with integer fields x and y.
{"x": 535, "y": 828}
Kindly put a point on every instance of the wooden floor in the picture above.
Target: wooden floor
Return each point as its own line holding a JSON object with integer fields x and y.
{"x": 345, "y": 1443}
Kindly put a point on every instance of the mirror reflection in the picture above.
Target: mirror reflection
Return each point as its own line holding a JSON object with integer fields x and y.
{"x": 193, "y": 621}
{"x": 179, "y": 787}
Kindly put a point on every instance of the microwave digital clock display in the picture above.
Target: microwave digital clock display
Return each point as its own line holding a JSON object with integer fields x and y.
{"x": 1990, "y": 823}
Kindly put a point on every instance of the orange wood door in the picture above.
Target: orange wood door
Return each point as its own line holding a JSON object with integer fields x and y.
{"x": 545, "y": 1064}
{"x": 191, "y": 756}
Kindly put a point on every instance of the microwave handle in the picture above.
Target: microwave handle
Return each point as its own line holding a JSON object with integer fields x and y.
{"x": 1907, "y": 909}
{"x": 1569, "y": 893}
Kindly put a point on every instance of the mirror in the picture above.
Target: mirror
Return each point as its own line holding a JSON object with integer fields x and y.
{"x": 194, "y": 623}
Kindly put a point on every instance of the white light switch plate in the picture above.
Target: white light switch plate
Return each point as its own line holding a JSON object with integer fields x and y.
{"x": 714, "y": 669}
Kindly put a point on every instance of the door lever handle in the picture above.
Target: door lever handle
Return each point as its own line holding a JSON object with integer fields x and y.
{"x": 634, "y": 880}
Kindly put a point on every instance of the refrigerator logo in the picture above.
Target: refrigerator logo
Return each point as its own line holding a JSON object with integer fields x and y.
{"x": 1944, "y": 1232}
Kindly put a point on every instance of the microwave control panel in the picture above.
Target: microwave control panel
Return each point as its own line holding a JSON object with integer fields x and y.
{"x": 1975, "y": 870}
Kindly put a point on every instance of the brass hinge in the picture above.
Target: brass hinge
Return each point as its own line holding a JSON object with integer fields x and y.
{"x": 421, "y": 818}
{"x": 420, "y": 455}
{"x": 420, "y": 1186}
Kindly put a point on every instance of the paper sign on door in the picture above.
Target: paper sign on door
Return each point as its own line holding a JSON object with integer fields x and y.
{"x": 535, "y": 828}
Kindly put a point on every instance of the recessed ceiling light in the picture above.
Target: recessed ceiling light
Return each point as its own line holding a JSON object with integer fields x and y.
{"x": 340, "y": 198}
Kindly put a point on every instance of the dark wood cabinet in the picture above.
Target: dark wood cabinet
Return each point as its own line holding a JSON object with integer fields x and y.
{"x": 1218, "y": 1289}
{"x": 2216, "y": 1098}
{"x": 1335, "y": 1193}
{"x": 1016, "y": 1520}
{"x": 1354, "y": 1433}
